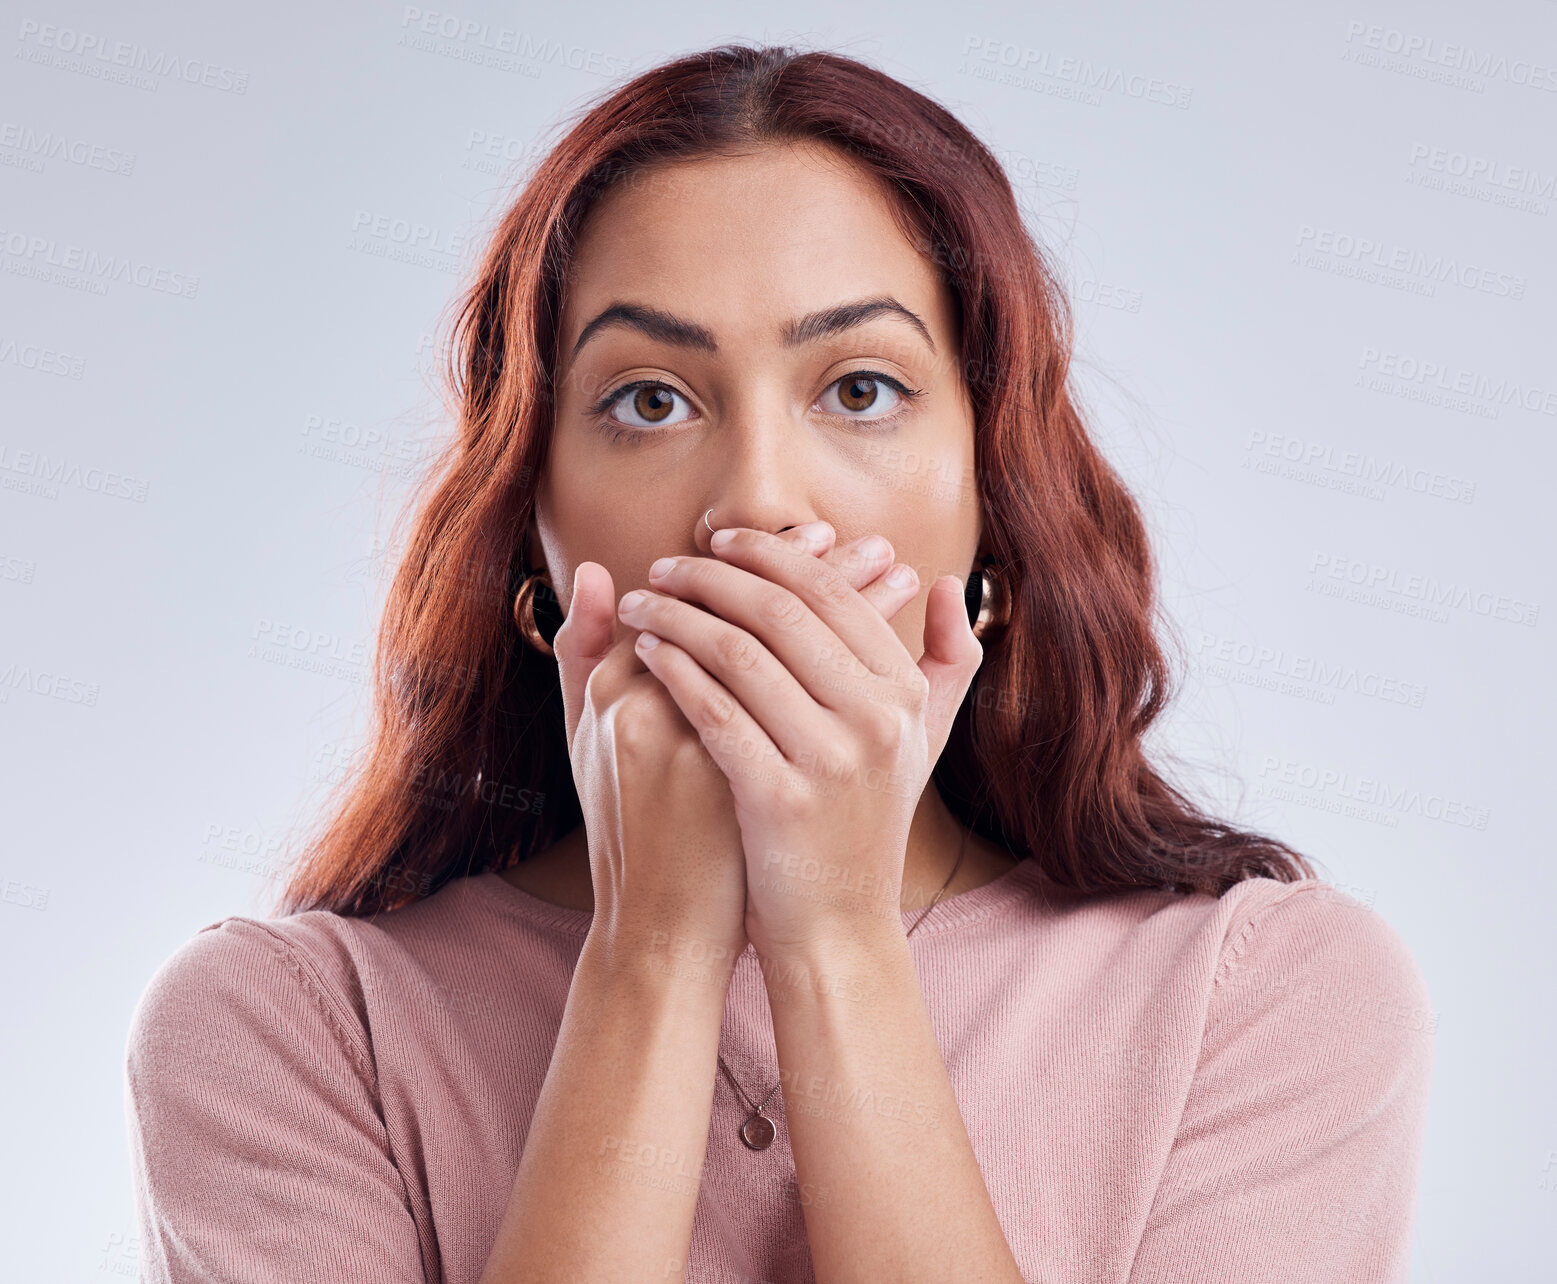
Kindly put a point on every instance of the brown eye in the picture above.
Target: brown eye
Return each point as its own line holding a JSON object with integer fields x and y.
{"x": 645, "y": 405}
{"x": 654, "y": 402}
{"x": 858, "y": 396}
{"x": 857, "y": 393}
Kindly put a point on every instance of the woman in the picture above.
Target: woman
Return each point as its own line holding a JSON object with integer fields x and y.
{"x": 810, "y": 911}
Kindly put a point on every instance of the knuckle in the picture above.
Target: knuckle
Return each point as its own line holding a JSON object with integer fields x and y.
{"x": 880, "y": 726}
{"x": 781, "y": 608}
{"x": 716, "y": 710}
{"x": 595, "y": 687}
{"x": 829, "y": 586}
{"x": 735, "y": 650}
{"x": 641, "y": 720}
{"x": 604, "y": 685}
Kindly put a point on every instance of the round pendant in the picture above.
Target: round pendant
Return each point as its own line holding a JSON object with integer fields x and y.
{"x": 758, "y": 1132}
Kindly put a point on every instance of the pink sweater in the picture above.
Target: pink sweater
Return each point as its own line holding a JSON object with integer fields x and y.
{"x": 1159, "y": 1089}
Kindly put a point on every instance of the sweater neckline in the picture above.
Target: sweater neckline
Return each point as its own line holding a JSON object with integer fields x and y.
{"x": 1019, "y": 884}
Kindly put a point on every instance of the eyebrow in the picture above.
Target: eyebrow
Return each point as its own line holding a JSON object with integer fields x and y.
{"x": 669, "y": 328}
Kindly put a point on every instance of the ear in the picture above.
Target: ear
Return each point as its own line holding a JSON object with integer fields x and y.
{"x": 981, "y": 554}
{"x": 530, "y": 544}
{"x": 984, "y": 546}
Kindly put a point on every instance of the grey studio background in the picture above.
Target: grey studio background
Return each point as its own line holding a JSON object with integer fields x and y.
{"x": 1314, "y": 259}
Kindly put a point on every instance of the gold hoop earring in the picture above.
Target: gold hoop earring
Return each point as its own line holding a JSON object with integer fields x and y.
{"x": 993, "y": 612}
{"x": 524, "y": 612}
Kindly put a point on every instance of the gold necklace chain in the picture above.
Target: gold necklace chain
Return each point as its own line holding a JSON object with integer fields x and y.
{"x": 758, "y": 1130}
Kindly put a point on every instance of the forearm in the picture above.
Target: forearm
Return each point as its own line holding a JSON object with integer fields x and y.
{"x": 609, "y": 1177}
{"x": 873, "y": 1121}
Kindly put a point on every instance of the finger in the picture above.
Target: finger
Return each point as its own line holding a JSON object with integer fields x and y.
{"x": 771, "y": 693}
{"x": 732, "y": 737}
{"x": 775, "y": 632}
{"x": 816, "y": 538}
{"x": 769, "y": 620}
{"x": 862, "y": 632}
{"x": 893, "y": 589}
{"x": 952, "y": 655}
{"x": 864, "y": 566}
{"x": 865, "y": 563}
{"x": 585, "y": 637}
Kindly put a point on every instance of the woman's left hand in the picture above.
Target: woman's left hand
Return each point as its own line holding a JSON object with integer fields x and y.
{"x": 821, "y": 720}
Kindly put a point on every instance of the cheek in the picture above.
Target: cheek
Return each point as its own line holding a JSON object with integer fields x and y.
{"x": 615, "y": 526}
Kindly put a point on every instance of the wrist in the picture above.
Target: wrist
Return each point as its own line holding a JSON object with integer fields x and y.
{"x": 677, "y": 966}
{"x": 834, "y": 955}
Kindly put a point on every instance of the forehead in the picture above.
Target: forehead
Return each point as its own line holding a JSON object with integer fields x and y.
{"x": 742, "y": 243}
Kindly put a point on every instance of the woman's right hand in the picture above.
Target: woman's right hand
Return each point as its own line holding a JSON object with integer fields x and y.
{"x": 665, "y": 852}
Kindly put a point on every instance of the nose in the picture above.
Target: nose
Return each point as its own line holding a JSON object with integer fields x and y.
{"x": 710, "y": 526}
{"x": 762, "y": 480}
{"x": 714, "y": 515}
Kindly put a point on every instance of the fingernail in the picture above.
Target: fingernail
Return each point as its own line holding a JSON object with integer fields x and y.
{"x": 720, "y": 538}
{"x": 648, "y": 641}
{"x": 815, "y": 532}
{"x": 874, "y": 547}
{"x": 900, "y": 576}
{"x": 661, "y": 567}
{"x": 633, "y": 600}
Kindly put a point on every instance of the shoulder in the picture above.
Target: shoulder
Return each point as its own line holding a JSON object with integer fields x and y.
{"x": 1305, "y": 1112}
{"x": 247, "y": 1074}
{"x": 1304, "y": 954}
{"x": 265, "y": 975}
{"x": 1226, "y": 925}
{"x": 1313, "y": 987}
{"x": 330, "y": 981}
{"x": 1261, "y": 929}
{"x": 1284, "y": 939}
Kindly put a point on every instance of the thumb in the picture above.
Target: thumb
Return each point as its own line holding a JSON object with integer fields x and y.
{"x": 952, "y": 655}
{"x": 585, "y": 636}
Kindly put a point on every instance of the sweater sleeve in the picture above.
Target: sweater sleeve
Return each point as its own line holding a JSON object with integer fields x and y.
{"x": 258, "y": 1149}
{"x": 1296, "y": 1158}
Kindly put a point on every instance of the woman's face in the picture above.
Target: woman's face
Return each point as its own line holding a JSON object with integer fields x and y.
{"x": 729, "y": 291}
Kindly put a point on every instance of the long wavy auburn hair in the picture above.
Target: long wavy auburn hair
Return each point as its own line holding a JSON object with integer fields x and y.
{"x": 467, "y": 766}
